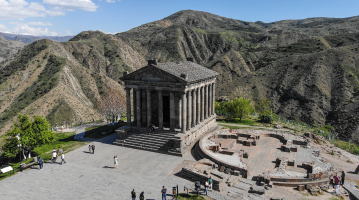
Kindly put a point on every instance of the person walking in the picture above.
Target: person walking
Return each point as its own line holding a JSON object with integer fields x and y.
{"x": 206, "y": 185}
{"x": 93, "y": 148}
{"x": 142, "y": 197}
{"x": 163, "y": 191}
{"x": 210, "y": 181}
{"x": 90, "y": 148}
{"x": 336, "y": 183}
{"x": 343, "y": 177}
{"x": 133, "y": 194}
{"x": 116, "y": 162}
{"x": 41, "y": 162}
{"x": 62, "y": 158}
{"x": 54, "y": 156}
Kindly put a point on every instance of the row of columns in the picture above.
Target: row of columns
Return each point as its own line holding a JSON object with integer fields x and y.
{"x": 197, "y": 105}
{"x": 194, "y": 106}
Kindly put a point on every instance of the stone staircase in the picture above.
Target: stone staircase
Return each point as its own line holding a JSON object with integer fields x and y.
{"x": 158, "y": 141}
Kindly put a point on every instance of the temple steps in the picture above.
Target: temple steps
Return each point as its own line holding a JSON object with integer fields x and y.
{"x": 159, "y": 142}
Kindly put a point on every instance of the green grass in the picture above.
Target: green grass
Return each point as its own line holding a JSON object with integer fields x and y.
{"x": 354, "y": 149}
{"x": 183, "y": 196}
{"x": 63, "y": 141}
{"x": 199, "y": 30}
{"x": 247, "y": 122}
{"x": 95, "y": 131}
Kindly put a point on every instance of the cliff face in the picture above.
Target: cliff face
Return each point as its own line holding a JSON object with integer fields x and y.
{"x": 308, "y": 68}
{"x": 9, "y": 47}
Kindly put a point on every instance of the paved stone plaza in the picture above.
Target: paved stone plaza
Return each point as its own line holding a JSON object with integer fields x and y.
{"x": 85, "y": 176}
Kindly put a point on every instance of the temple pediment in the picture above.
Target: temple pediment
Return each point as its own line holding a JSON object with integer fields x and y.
{"x": 152, "y": 74}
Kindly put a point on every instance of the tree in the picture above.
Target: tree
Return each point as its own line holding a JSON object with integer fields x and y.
{"x": 31, "y": 133}
{"x": 220, "y": 108}
{"x": 112, "y": 105}
{"x": 264, "y": 106}
{"x": 239, "y": 108}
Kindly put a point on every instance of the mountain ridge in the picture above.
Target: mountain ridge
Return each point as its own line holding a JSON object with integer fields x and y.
{"x": 308, "y": 68}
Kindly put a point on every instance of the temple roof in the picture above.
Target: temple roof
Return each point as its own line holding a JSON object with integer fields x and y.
{"x": 188, "y": 71}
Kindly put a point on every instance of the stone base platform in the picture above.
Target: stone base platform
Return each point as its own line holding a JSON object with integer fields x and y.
{"x": 164, "y": 141}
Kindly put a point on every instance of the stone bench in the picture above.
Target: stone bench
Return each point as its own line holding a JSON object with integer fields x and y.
{"x": 24, "y": 166}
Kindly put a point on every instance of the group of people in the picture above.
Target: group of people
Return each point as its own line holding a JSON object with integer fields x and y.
{"x": 53, "y": 158}
{"x": 142, "y": 197}
{"x": 55, "y": 154}
{"x": 208, "y": 184}
{"x": 62, "y": 126}
{"x": 338, "y": 180}
{"x": 92, "y": 147}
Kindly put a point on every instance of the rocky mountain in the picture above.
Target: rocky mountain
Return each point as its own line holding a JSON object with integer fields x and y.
{"x": 308, "y": 68}
{"x": 31, "y": 38}
{"x": 9, "y": 47}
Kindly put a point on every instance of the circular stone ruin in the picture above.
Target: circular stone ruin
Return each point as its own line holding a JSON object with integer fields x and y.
{"x": 267, "y": 155}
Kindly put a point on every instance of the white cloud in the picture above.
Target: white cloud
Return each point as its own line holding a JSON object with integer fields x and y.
{"x": 16, "y": 9}
{"x": 21, "y": 9}
{"x": 40, "y": 24}
{"x": 71, "y": 5}
{"x": 28, "y": 30}
{"x": 3, "y": 28}
{"x": 24, "y": 29}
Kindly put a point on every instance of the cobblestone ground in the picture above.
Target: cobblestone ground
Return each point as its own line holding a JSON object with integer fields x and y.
{"x": 91, "y": 176}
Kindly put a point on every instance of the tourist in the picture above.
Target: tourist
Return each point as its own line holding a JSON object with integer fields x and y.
{"x": 62, "y": 158}
{"x": 336, "y": 183}
{"x": 152, "y": 128}
{"x": 54, "y": 155}
{"x": 163, "y": 191}
{"x": 90, "y": 148}
{"x": 206, "y": 185}
{"x": 343, "y": 177}
{"x": 93, "y": 148}
{"x": 41, "y": 162}
{"x": 62, "y": 128}
{"x": 133, "y": 194}
{"x": 210, "y": 181}
{"x": 142, "y": 197}
{"x": 116, "y": 162}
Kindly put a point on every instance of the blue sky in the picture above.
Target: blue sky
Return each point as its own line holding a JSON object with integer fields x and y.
{"x": 70, "y": 17}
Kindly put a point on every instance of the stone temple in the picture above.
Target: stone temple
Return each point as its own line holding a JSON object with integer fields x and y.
{"x": 177, "y": 97}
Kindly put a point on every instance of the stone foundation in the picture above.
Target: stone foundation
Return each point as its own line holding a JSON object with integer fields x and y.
{"x": 185, "y": 141}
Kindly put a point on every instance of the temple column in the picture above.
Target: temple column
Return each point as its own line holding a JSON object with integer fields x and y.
{"x": 160, "y": 110}
{"x": 138, "y": 107}
{"x": 172, "y": 112}
{"x": 202, "y": 104}
{"x": 128, "y": 104}
{"x": 134, "y": 99}
{"x": 205, "y": 101}
{"x": 184, "y": 111}
{"x": 198, "y": 110}
{"x": 179, "y": 125}
{"x": 209, "y": 100}
{"x": 213, "y": 97}
{"x": 194, "y": 109}
{"x": 149, "y": 113}
{"x": 189, "y": 110}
